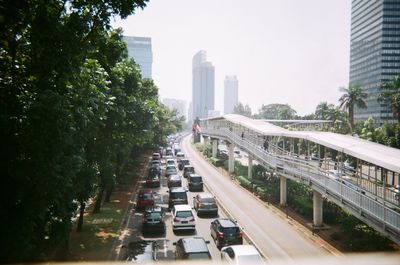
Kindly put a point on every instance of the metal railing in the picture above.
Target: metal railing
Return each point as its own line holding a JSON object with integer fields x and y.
{"x": 380, "y": 213}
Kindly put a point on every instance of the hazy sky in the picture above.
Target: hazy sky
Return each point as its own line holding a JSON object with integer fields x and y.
{"x": 282, "y": 51}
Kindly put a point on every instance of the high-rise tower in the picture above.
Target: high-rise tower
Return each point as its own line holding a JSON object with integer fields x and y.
{"x": 374, "y": 52}
{"x": 139, "y": 48}
{"x": 203, "y": 85}
{"x": 230, "y": 93}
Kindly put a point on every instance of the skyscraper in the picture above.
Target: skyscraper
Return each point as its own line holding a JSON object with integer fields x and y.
{"x": 203, "y": 85}
{"x": 374, "y": 52}
{"x": 230, "y": 93}
{"x": 139, "y": 48}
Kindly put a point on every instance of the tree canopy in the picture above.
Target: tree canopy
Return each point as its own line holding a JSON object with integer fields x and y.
{"x": 277, "y": 112}
{"x": 73, "y": 107}
{"x": 353, "y": 96}
{"x": 242, "y": 110}
{"x": 390, "y": 93}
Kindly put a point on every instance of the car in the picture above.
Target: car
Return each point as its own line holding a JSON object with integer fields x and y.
{"x": 145, "y": 198}
{"x": 141, "y": 251}
{"x": 236, "y": 150}
{"x": 177, "y": 195}
{"x": 156, "y": 156}
{"x": 204, "y": 203}
{"x": 187, "y": 170}
{"x": 195, "y": 182}
{"x": 153, "y": 220}
{"x": 226, "y": 232}
{"x": 192, "y": 248}
{"x": 170, "y": 162}
{"x": 168, "y": 152}
{"x": 170, "y": 170}
{"x": 182, "y": 163}
{"x": 183, "y": 218}
{"x": 179, "y": 156}
{"x": 153, "y": 181}
{"x": 156, "y": 168}
{"x": 174, "y": 181}
{"x": 177, "y": 149}
{"x": 241, "y": 254}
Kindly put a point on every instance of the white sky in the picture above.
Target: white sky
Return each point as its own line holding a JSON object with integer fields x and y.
{"x": 282, "y": 51}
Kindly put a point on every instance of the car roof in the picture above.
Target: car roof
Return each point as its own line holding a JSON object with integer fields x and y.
{"x": 243, "y": 250}
{"x": 205, "y": 195}
{"x": 177, "y": 189}
{"x": 182, "y": 207}
{"x": 153, "y": 209}
{"x": 174, "y": 177}
{"x": 188, "y": 166}
{"x": 194, "y": 244}
{"x": 193, "y": 175}
{"x": 226, "y": 222}
{"x": 141, "y": 251}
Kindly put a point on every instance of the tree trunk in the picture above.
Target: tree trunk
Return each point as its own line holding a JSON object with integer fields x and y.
{"x": 97, "y": 205}
{"x": 351, "y": 117}
{"x": 81, "y": 212}
{"x": 109, "y": 191}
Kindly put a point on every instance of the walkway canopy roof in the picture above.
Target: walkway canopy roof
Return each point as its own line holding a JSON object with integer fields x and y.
{"x": 374, "y": 153}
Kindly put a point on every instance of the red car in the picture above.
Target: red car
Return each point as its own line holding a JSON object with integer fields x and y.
{"x": 145, "y": 198}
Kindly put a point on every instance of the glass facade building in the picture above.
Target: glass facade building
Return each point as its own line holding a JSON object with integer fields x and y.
{"x": 139, "y": 48}
{"x": 203, "y": 96}
{"x": 374, "y": 52}
{"x": 230, "y": 93}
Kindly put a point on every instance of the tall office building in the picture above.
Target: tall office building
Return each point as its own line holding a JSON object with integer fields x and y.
{"x": 178, "y": 104}
{"x": 230, "y": 93}
{"x": 374, "y": 52}
{"x": 139, "y": 48}
{"x": 203, "y": 85}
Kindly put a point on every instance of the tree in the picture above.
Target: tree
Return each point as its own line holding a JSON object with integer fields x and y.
{"x": 390, "y": 93}
{"x": 327, "y": 111}
{"x": 353, "y": 96}
{"x": 277, "y": 112}
{"x": 242, "y": 110}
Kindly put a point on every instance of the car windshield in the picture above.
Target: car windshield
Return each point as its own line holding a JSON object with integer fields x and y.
{"x": 231, "y": 230}
{"x": 249, "y": 259}
{"x": 153, "y": 215}
{"x": 184, "y": 214}
{"x": 207, "y": 200}
{"x": 145, "y": 196}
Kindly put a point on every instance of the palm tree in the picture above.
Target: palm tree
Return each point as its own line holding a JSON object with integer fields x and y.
{"x": 390, "y": 92}
{"x": 353, "y": 96}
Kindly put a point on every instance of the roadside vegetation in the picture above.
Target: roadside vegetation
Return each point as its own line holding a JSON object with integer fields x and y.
{"x": 74, "y": 113}
{"x": 350, "y": 235}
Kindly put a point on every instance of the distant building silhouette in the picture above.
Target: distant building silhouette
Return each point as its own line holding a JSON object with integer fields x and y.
{"x": 203, "y": 85}
{"x": 374, "y": 52}
{"x": 178, "y": 104}
{"x": 230, "y": 93}
{"x": 139, "y": 48}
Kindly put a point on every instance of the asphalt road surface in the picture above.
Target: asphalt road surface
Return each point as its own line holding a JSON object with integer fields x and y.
{"x": 274, "y": 236}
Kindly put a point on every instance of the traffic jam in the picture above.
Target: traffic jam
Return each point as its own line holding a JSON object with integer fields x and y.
{"x": 177, "y": 218}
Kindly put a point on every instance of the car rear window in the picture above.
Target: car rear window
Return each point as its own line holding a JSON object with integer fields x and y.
{"x": 154, "y": 215}
{"x": 204, "y": 255}
{"x": 196, "y": 179}
{"x": 178, "y": 195}
{"x": 207, "y": 200}
{"x": 145, "y": 196}
{"x": 184, "y": 214}
{"x": 231, "y": 230}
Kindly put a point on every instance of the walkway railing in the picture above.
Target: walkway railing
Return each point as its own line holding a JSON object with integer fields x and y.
{"x": 376, "y": 212}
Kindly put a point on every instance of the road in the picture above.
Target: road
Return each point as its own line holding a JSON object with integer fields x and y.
{"x": 165, "y": 242}
{"x": 273, "y": 235}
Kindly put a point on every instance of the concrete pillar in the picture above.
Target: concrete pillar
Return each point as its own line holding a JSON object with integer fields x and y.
{"x": 317, "y": 209}
{"x": 283, "y": 190}
{"x": 250, "y": 168}
{"x": 231, "y": 158}
{"x": 206, "y": 140}
{"x": 214, "y": 147}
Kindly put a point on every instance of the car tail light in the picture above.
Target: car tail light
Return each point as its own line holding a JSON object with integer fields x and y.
{"x": 200, "y": 205}
{"x": 241, "y": 234}
{"x": 220, "y": 234}
{"x": 191, "y": 219}
{"x": 161, "y": 221}
{"x": 176, "y": 220}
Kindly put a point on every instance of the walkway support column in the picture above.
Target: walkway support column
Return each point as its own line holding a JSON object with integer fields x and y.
{"x": 250, "y": 168}
{"x": 317, "y": 209}
{"x": 283, "y": 190}
{"x": 214, "y": 147}
{"x": 231, "y": 163}
{"x": 206, "y": 141}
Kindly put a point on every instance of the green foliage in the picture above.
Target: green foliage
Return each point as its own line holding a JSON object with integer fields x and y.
{"x": 277, "y": 112}
{"x": 353, "y": 96}
{"x": 339, "y": 118}
{"x": 390, "y": 93}
{"x": 240, "y": 170}
{"x": 199, "y": 147}
{"x": 242, "y": 110}
{"x": 207, "y": 151}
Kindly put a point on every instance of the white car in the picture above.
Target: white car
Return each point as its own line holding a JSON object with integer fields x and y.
{"x": 241, "y": 254}
{"x": 170, "y": 162}
{"x": 183, "y": 218}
